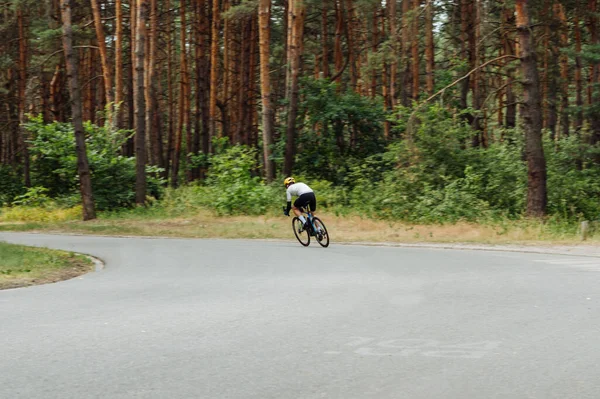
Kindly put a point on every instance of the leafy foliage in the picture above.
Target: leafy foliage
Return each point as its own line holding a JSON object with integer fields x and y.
{"x": 235, "y": 187}
{"x": 232, "y": 186}
{"x": 11, "y": 184}
{"x": 573, "y": 179}
{"x": 437, "y": 177}
{"x": 54, "y": 164}
{"x": 340, "y": 128}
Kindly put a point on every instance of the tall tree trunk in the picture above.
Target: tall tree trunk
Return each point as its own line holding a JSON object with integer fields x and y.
{"x": 119, "y": 63}
{"x": 291, "y": 6}
{"x": 531, "y": 112}
{"x": 198, "y": 59}
{"x": 509, "y": 49}
{"x": 13, "y": 140}
{"x": 475, "y": 62}
{"x": 251, "y": 89}
{"x": 429, "y": 48}
{"x": 578, "y": 75}
{"x": 150, "y": 89}
{"x": 23, "y": 146}
{"x": 299, "y": 12}
{"x": 339, "y": 25}
{"x": 203, "y": 81}
{"x": 264, "y": 18}
{"x": 228, "y": 44}
{"x": 240, "y": 136}
{"x": 386, "y": 89}
{"x": 182, "y": 98}
{"x": 83, "y": 169}
{"x": 464, "y": 49}
{"x": 415, "y": 50}
{"x": 170, "y": 91}
{"x": 563, "y": 30}
{"x": 45, "y": 91}
{"x": 547, "y": 75}
{"x": 393, "y": 37}
{"x": 374, "y": 47}
{"x": 132, "y": 105}
{"x": 594, "y": 90}
{"x": 352, "y": 45}
{"x": 552, "y": 73}
{"x": 214, "y": 66}
{"x": 88, "y": 73}
{"x": 140, "y": 111}
{"x": 325, "y": 40}
{"x": 106, "y": 71}
{"x": 55, "y": 94}
{"x": 406, "y": 49}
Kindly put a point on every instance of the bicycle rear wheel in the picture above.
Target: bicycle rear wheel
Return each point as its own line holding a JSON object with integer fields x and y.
{"x": 301, "y": 234}
{"x": 321, "y": 233}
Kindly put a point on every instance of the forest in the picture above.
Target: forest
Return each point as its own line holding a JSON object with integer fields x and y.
{"x": 428, "y": 111}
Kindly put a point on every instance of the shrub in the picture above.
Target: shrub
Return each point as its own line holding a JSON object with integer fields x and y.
{"x": 341, "y": 127}
{"x": 437, "y": 177}
{"x": 232, "y": 187}
{"x": 573, "y": 179}
{"x": 54, "y": 164}
{"x": 11, "y": 184}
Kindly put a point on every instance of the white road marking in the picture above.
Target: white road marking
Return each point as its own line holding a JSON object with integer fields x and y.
{"x": 417, "y": 347}
{"x": 570, "y": 261}
{"x": 357, "y": 341}
{"x": 587, "y": 264}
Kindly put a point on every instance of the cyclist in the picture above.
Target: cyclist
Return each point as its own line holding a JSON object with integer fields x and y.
{"x": 306, "y": 196}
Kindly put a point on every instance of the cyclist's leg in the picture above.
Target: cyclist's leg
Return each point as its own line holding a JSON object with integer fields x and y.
{"x": 296, "y": 208}
{"x": 298, "y": 205}
{"x": 312, "y": 202}
{"x": 296, "y": 211}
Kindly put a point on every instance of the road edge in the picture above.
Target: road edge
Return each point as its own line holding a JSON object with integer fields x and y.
{"x": 549, "y": 249}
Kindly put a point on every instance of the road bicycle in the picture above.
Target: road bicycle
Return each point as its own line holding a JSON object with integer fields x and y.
{"x": 316, "y": 228}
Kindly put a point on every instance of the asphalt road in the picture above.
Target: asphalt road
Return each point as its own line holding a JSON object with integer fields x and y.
{"x": 254, "y": 319}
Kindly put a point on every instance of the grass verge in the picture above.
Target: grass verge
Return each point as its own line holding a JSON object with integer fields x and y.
{"x": 342, "y": 228}
{"x": 22, "y": 266}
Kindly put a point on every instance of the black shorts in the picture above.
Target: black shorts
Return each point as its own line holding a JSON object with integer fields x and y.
{"x": 306, "y": 199}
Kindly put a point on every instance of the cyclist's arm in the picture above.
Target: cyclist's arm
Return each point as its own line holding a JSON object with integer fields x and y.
{"x": 289, "y": 200}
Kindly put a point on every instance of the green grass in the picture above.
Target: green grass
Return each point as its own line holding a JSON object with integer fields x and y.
{"x": 22, "y": 266}
{"x": 348, "y": 227}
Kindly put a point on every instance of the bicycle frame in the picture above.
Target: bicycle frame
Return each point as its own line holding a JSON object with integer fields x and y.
{"x": 309, "y": 216}
{"x": 315, "y": 227}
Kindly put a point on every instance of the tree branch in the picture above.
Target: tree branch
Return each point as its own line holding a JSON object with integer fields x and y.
{"x": 513, "y": 57}
{"x": 61, "y": 50}
{"x": 412, "y": 115}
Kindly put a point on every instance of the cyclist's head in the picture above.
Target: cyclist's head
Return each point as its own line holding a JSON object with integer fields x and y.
{"x": 289, "y": 181}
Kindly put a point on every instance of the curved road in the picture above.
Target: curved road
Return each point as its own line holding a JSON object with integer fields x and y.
{"x": 250, "y": 319}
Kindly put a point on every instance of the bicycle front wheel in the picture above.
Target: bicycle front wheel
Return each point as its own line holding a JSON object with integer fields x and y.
{"x": 321, "y": 233}
{"x": 301, "y": 234}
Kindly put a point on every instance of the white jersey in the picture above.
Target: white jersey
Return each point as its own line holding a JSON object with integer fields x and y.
{"x": 296, "y": 190}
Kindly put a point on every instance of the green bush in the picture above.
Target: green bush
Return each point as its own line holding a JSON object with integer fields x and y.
{"x": 573, "y": 179}
{"x": 340, "y": 128}
{"x": 11, "y": 184}
{"x": 437, "y": 177}
{"x": 233, "y": 187}
{"x": 54, "y": 164}
{"x": 432, "y": 176}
